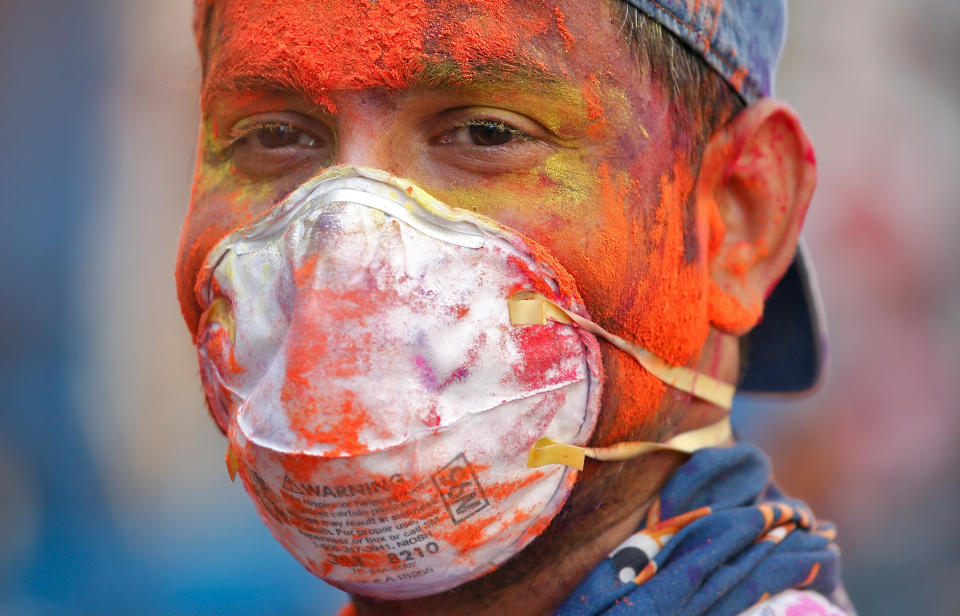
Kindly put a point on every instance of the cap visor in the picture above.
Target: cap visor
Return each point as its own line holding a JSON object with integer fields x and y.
{"x": 786, "y": 351}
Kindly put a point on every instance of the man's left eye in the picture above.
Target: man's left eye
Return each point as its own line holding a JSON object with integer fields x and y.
{"x": 483, "y": 133}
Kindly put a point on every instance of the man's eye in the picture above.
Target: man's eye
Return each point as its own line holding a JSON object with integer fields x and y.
{"x": 483, "y": 133}
{"x": 273, "y": 136}
{"x": 271, "y": 145}
{"x": 487, "y": 141}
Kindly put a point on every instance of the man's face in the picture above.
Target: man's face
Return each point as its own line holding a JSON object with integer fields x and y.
{"x": 533, "y": 113}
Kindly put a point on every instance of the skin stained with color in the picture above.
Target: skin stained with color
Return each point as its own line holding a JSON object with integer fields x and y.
{"x": 395, "y": 89}
{"x": 533, "y": 113}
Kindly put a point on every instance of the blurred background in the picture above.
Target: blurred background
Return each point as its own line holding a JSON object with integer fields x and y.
{"x": 114, "y": 498}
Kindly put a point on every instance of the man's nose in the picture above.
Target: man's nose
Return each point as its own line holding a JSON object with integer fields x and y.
{"x": 363, "y": 123}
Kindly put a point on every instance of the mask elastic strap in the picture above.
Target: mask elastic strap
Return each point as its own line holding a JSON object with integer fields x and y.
{"x": 546, "y": 451}
{"x": 531, "y": 308}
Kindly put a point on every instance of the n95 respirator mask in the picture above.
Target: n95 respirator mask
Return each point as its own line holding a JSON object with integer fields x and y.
{"x": 406, "y": 387}
{"x": 356, "y": 347}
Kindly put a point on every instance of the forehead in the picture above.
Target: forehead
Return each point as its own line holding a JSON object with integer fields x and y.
{"x": 318, "y": 46}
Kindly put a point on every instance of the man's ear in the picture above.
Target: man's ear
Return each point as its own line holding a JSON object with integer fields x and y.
{"x": 756, "y": 179}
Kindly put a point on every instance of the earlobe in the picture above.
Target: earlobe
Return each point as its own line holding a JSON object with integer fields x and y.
{"x": 756, "y": 179}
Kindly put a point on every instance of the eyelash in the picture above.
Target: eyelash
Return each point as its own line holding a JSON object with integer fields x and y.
{"x": 496, "y": 124}
{"x": 251, "y": 131}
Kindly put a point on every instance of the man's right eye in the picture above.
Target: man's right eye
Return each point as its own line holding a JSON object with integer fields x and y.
{"x": 271, "y": 145}
{"x": 281, "y": 135}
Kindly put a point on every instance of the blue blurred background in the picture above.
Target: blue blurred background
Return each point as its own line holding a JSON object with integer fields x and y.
{"x": 113, "y": 494}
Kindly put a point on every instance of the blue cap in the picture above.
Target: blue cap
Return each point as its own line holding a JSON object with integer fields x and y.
{"x": 742, "y": 40}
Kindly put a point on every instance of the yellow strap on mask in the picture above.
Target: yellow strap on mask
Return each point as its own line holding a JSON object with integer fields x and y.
{"x": 233, "y": 463}
{"x": 531, "y": 308}
{"x": 546, "y": 451}
{"x": 221, "y": 312}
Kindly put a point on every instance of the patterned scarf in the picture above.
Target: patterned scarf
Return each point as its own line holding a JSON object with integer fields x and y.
{"x": 720, "y": 538}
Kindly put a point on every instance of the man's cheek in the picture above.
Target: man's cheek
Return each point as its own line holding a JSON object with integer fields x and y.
{"x": 550, "y": 203}
{"x": 219, "y": 204}
{"x": 670, "y": 315}
{"x": 640, "y": 281}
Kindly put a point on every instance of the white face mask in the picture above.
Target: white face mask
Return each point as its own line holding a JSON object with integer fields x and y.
{"x": 357, "y": 348}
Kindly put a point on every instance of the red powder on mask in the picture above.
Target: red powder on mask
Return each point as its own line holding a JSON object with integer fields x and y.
{"x": 534, "y": 280}
{"x": 499, "y": 491}
{"x": 541, "y": 351}
{"x": 472, "y": 532}
{"x": 319, "y": 356}
{"x": 300, "y": 467}
{"x": 343, "y": 432}
{"x": 221, "y": 351}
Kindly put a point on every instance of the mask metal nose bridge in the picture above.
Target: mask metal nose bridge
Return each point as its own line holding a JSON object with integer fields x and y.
{"x": 401, "y": 207}
{"x": 368, "y": 188}
{"x": 431, "y": 228}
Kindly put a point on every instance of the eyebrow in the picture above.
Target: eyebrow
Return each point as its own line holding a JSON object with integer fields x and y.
{"x": 448, "y": 74}
{"x": 435, "y": 75}
{"x": 279, "y": 82}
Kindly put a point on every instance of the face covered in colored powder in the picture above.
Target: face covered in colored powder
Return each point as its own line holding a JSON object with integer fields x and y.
{"x": 535, "y": 115}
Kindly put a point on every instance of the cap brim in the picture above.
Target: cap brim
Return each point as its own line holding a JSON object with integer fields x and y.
{"x": 786, "y": 351}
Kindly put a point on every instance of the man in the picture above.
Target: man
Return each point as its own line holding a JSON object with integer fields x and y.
{"x": 378, "y": 182}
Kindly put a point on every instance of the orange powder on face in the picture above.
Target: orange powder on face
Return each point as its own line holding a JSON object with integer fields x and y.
{"x": 650, "y": 303}
{"x": 660, "y": 302}
{"x": 481, "y": 37}
{"x": 318, "y": 47}
{"x": 674, "y": 323}
{"x": 568, "y": 40}
{"x": 595, "y": 111}
{"x": 730, "y": 315}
